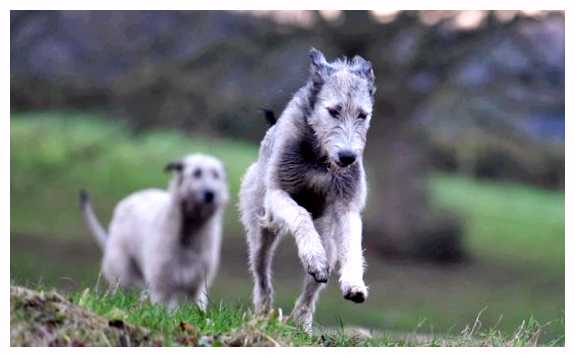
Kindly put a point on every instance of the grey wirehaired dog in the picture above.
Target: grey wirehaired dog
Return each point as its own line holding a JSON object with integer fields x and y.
{"x": 167, "y": 242}
{"x": 309, "y": 181}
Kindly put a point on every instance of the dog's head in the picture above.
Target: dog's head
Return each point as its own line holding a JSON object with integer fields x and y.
{"x": 341, "y": 103}
{"x": 199, "y": 184}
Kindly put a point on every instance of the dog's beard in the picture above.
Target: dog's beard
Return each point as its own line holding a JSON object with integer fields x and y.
{"x": 194, "y": 216}
{"x": 195, "y": 211}
{"x": 335, "y": 170}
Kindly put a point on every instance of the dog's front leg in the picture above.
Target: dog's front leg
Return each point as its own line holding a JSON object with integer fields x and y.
{"x": 298, "y": 221}
{"x": 350, "y": 257}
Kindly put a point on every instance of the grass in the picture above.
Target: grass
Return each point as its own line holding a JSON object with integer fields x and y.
{"x": 514, "y": 233}
{"x": 221, "y": 319}
{"x": 507, "y": 220}
{"x": 113, "y": 317}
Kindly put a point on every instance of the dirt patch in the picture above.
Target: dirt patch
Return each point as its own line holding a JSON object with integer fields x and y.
{"x": 48, "y": 319}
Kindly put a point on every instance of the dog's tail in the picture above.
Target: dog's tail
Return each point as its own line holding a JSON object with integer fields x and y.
{"x": 91, "y": 220}
{"x": 270, "y": 116}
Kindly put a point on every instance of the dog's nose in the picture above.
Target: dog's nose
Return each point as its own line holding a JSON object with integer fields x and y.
{"x": 345, "y": 158}
{"x": 209, "y": 196}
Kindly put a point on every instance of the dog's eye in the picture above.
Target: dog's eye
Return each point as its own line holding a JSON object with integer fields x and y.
{"x": 197, "y": 173}
{"x": 362, "y": 115}
{"x": 334, "y": 112}
{"x": 216, "y": 174}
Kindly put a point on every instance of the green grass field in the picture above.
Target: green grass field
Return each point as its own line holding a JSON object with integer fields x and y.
{"x": 507, "y": 220}
{"x": 115, "y": 318}
{"x": 514, "y": 233}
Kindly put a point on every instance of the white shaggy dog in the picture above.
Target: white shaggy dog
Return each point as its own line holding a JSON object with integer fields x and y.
{"x": 167, "y": 241}
{"x": 309, "y": 181}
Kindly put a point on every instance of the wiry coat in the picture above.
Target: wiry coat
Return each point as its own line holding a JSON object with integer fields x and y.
{"x": 309, "y": 181}
{"x": 167, "y": 241}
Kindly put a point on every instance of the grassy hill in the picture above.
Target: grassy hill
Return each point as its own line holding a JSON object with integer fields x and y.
{"x": 115, "y": 318}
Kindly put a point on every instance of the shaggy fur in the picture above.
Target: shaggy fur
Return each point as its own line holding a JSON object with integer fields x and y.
{"x": 309, "y": 181}
{"x": 167, "y": 241}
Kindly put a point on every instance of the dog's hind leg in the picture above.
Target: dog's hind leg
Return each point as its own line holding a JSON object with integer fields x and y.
{"x": 262, "y": 244}
{"x": 202, "y": 298}
{"x": 198, "y": 295}
{"x": 169, "y": 299}
{"x": 120, "y": 270}
{"x": 305, "y": 305}
{"x": 304, "y": 308}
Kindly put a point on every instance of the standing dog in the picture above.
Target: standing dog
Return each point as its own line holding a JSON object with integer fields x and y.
{"x": 309, "y": 181}
{"x": 167, "y": 241}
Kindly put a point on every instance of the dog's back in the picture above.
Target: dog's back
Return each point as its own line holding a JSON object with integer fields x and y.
{"x": 138, "y": 219}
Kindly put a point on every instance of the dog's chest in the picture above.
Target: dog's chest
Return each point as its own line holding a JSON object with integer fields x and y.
{"x": 305, "y": 175}
{"x": 313, "y": 201}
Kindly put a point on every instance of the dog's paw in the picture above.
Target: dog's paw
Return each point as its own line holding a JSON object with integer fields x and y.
{"x": 302, "y": 318}
{"x": 263, "y": 306}
{"x": 320, "y": 276}
{"x": 355, "y": 293}
{"x": 318, "y": 267}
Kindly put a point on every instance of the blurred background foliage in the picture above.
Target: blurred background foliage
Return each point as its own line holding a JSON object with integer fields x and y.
{"x": 465, "y": 157}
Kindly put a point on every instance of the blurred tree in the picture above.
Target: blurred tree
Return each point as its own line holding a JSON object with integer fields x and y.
{"x": 456, "y": 90}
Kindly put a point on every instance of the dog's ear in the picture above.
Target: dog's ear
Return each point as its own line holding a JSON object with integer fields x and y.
{"x": 364, "y": 68}
{"x": 174, "y": 166}
{"x": 319, "y": 68}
